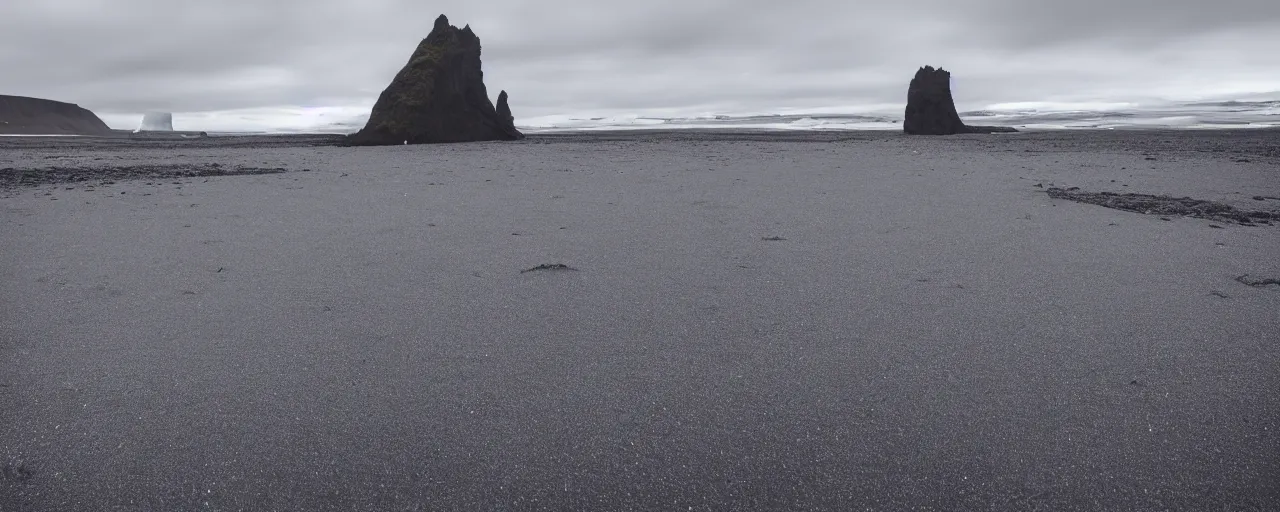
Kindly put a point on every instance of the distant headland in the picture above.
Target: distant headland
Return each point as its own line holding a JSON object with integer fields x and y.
{"x": 21, "y": 115}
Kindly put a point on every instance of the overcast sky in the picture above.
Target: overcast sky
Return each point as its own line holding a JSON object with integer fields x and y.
{"x": 225, "y": 64}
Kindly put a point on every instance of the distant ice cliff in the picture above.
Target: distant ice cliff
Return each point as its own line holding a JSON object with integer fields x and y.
{"x": 156, "y": 122}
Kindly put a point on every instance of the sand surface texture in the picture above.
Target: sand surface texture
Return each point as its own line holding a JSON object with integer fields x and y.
{"x": 742, "y": 322}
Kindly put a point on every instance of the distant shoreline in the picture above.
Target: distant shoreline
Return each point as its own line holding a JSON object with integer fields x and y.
{"x": 640, "y": 131}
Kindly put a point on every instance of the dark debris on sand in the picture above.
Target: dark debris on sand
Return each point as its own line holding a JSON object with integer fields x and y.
{"x": 1257, "y": 283}
{"x": 11, "y": 178}
{"x": 1167, "y": 206}
{"x": 550, "y": 267}
{"x": 124, "y": 141}
{"x": 16, "y": 471}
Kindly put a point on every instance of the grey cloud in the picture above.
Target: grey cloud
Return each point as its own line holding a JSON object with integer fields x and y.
{"x": 559, "y": 56}
{"x": 1140, "y": 22}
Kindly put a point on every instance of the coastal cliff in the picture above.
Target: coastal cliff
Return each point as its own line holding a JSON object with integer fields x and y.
{"x": 20, "y": 115}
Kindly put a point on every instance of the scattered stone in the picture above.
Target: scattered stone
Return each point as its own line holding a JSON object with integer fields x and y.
{"x": 550, "y": 267}
{"x": 1165, "y": 206}
{"x": 439, "y": 96}
{"x": 932, "y": 111}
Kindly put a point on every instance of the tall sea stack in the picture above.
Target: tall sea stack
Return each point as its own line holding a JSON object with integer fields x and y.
{"x": 20, "y": 115}
{"x": 439, "y": 96}
{"x": 932, "y": 111}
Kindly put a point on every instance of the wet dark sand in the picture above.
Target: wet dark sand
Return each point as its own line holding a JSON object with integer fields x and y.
{"x": 749, "y": 321}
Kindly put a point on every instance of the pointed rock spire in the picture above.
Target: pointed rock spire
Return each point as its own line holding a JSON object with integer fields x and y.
{"x": 439, "y": 96}
{"x": 504, "y": 116}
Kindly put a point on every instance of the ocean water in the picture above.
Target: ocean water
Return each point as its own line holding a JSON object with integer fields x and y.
{"x": 1024, "y": 116}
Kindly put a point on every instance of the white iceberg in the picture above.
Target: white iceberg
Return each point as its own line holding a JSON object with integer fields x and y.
{"x": 156, "y": 122}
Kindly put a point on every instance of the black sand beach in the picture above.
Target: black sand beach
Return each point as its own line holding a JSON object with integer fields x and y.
{"x": 743, "y": 321}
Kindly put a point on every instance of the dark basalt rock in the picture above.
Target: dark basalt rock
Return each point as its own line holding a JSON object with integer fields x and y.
{"x": 439, "y": 96}
{"x": 931, "y": 109}
{"x": 504, "y": 114}
{"x": 20, "y": 115}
